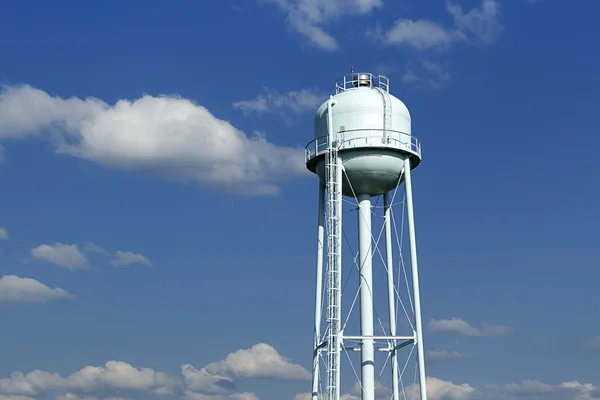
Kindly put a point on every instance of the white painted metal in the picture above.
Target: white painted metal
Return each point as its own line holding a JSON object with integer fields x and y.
{"x": 318, "y": 292}
{"x": 415, "y": 276}
{"x": 391, "y": 293}
{"x": 363, "y": 148}
{"x": 365, "y": 256}
{"x": 371, "y": 337}
{"x": 387, "y": 112}
{"x": 334, "y": 261}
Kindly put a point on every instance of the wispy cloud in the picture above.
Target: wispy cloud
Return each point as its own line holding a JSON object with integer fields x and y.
{"x": 126, "y": 258}
{"x": 293, "y": 102}
{"x": 437, "y": 355}
{"x": 3, "y": 233}
{"x": 459, "y": 326}
{"x": 479, "y": 25}
{"x": 592, "y": 344}
{"x": 309, "y": 18}
{"x": 427, "y": 74}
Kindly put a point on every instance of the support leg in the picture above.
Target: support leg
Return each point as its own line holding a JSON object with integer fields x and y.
{"x": 415, "y": 277}
{"x": 391, "y": 293}
{"x": 319, "y": 291}
{"x": 366, "y": 297}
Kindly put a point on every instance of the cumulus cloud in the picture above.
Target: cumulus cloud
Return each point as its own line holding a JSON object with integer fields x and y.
{"x": 459, "y": 326}
{"x": 63, "y": 255}
{"x": 203, "y": 382}
{"x": 114, "y": 375}
{"x": 126, "y": 258}
{"x": 269, "y": 101}
{"x": 212, "y": 382}
{"x": 309, "y": 17}
{"x": 14, "y": 289}
{"x": 381, "y": 393}
{"x": 165, "y": 135}
{"x": 3, "y": 233}
{"x": 259, "y": 361}
{"x": 480, "y": 25}
{"x": 438, "y": 389}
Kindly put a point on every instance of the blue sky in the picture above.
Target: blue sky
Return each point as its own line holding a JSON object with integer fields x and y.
{"x": 158, "y": 227}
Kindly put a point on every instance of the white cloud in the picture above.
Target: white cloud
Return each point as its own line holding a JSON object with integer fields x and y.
{"x": 436, "y": 355}
{"x": 527, "y": 388}
{"x": 438, "y": 389}
{"x": 14, "y": 289}
{"x": 259, "y": 361}
{"x": 212, "y": 382}
{"x": 309, "y": 17}
{"x": 419, "y": 34}
{"x": 166, "y": 135}
{"x": 93, "y": 248}
{"x": 461, "y": 327}
{"x": 2, "y": 397}
{"x": 581, "y": 391}
{"x": 189, "y": 395}
{"x": 71, "y": 396}
{"x": 200, "y": 381}
{"x": 3, "y": 233}
{"x": 114, "y": 375}
{"x": 269, "y": 101}
{"x": 479, "y": 25}
{"x": 2, "y": 154}
{"x": 125, "y": 258}
{"x": 63, "y": 255}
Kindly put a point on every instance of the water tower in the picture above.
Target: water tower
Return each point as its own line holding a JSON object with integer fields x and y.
{"x": 363, "y": 149}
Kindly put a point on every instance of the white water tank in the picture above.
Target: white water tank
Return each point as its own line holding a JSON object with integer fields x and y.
{"x": 373, "y": 132}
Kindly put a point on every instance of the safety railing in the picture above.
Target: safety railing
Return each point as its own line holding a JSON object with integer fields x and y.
{"x": 365, "y": 138}
{"x": 361, "y": 79}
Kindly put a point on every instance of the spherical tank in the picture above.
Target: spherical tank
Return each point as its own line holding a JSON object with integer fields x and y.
{"x": 374, "y": 131}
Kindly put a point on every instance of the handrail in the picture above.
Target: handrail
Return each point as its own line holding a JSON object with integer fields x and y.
{"x": 350, "y": 81}
{"x": 394, "y": 140}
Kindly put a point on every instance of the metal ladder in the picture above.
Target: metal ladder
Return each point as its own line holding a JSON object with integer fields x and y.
{"x": 333, "y": 174}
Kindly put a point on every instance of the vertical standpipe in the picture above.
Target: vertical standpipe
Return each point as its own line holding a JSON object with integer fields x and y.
{"x": 365, "y": 255}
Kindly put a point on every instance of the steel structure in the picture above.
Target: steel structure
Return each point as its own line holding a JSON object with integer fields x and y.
{"x": 363, "y": 148}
